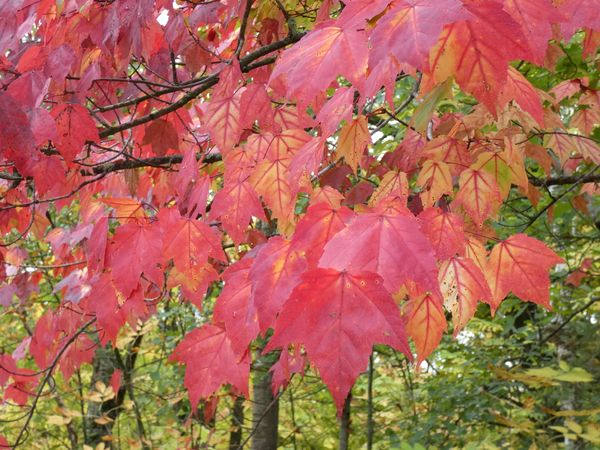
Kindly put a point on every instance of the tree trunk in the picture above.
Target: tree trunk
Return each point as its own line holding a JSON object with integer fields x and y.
{"x": 568, "y": 393}
{"x": 237, "y": 420}
{"x": 345, "y": 424}
{"x": 104, "y": 365}
{"x": 265, "y": 413}
{"x": 106, "y": 361}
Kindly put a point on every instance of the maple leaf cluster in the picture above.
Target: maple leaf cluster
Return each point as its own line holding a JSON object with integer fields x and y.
{"x": 232, "y": 144}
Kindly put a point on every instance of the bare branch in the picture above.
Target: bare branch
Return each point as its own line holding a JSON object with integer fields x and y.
{"x": 206, "y": 84}
{"x": 568, "y": 319}
{"x": 567, "y": 179}
{"x": 242, "y": 37}
{"x": 46, "y": 379}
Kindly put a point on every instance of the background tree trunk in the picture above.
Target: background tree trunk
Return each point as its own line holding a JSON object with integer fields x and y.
{"x": 104, "y": 365}
{"x": 265, "y": 413}
{"x": 568, "y": 404}
{"x": 237, "y": 420}
{"x": 345, "y": 424}
{"x": 106, "y": 361}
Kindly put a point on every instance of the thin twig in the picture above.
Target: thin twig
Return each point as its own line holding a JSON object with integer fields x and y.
{"x": 242, "y": 36}
{"x": 567, "y": 179}
{"x": 205, "y": 85}
{"x": 569, "y": 318}
{"x": 46, "y": 378}
{"x": 260, "y": 419}
{"x": 557, "y": 198}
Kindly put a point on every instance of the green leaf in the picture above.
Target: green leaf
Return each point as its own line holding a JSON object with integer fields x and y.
{"x": 576, "y": 375}
{"x": 424, "y": 111}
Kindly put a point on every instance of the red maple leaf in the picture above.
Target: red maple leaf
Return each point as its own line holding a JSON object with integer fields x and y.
{"x": 317, "y": 54}
{"x": 333, "y": 305}
{"x": 136, "y": 249}
{"x": 410, "y": 28}
{"x": 275, "y": 273}
{"x": 520, "y": 265}
{"x": 236, "y": 308}
{"x": 445, "y": 230}
{"x": 388, "y": 242}
{"x": 75, "y": 127}
{"x": 210, "y": 363}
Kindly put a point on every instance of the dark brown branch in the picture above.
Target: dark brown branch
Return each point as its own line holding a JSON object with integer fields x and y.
{"x": 158, "y": 161}
{"x": 567, "y": 179}
{"x": 263, "y": 51}
{"x": 205, "y": 85}
{"x": 174, "y": 69}
{"x": 10, "y": 176}
{"x": 169, "y": 90}
{"x": 60, "y": 197}
{"x": 208, "y": 83}
{"x": 556, "y": 199}
{"x": 566, "y": 133}
{"x": 344, "y": 434}
{"x": 127, "y": 367}
{"x": 242, "y": 37}
{"x": 124, "y": 80}
{"x": 262, "y": 62}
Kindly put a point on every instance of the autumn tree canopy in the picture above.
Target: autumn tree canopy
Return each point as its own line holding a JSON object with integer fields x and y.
{"x": 314, "y": 177}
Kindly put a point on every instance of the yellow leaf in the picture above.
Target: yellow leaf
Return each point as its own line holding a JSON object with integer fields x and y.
{"x": 479, "y": 195}
{"x": 125, "y": 339}
{"x": 69, "y": 412}
{"x": 436, "y": 179}
{"x": 573, "y": 426}
{"x": 574, "y": 375}
{"x": 523, "y": 425}
{"x": 354, "y": 138}
{"x": 563, "y": 366}
{"x": 103, "y": 420}
{"x": 392, "y": 182}
{"x": 177, "y": 398}
{"x": 545, "y": 372}
{"x": 530, "y": 380}
{"x": 93, "y": 397}
{"x": 592, "y": 433}
{"x": 58, "y": 420}
{"x": 575, "y": 413}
